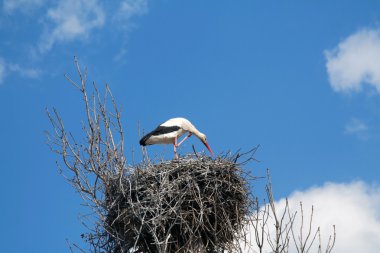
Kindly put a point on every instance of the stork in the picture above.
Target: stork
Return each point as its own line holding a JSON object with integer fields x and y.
{"x": 170, "y": 131}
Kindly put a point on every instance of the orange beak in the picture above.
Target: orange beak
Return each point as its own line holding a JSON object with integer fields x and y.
{"x": 208, "y": 147}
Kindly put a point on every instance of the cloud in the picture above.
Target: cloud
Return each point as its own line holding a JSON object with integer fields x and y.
{"x": 130, "y": 8}
{"x": 8, "y": 68}
{"x": 353, "y": 207}
{"x": 71, "y": 20}
{"x": 2, "y": 70}
{"x": 24, "y": 5}
{"x": 66, "y": 21}
{"x": 25, "y": 72}
{"x": 356, "y": 127}
{"x": 355, "y": 61}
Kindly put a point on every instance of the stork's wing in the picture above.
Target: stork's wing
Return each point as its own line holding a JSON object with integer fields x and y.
{"x": 158, "y": 131}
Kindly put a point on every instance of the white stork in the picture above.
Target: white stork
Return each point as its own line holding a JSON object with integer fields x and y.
{"x": 170, "y": 131}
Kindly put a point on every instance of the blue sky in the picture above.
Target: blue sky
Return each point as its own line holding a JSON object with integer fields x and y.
{"x": 300, "y": 78}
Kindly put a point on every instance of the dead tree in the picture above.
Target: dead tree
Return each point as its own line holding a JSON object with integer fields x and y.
{"x": 279, "y": 231}
{"x": 98, "y": 159}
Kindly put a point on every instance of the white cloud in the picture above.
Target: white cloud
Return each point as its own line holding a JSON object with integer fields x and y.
{"x": 8, "y": 68}
{"x": 355, "y": 61}
{"x": 76, "y": 20}
{"x": 24, "y": 5}
{"x": 357, "y": 127}
{"x": 2, "y": 70}
{"x": 130, "y": 8}
{"x": 25, "y": 72}
{"x": 71, "y": 20}
{"x": 353, "y": 207}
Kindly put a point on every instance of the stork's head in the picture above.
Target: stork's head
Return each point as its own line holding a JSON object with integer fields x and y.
{"x": 203, "y": 138}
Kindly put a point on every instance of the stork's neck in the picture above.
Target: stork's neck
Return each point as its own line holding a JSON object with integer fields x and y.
{"x": 187, "y": 126}
{"x": 196, "y": 132}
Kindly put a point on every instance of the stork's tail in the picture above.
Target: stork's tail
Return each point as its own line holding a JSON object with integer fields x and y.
{"x": 144, "y": 140}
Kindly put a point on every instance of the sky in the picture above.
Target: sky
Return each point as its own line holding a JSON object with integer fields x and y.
{"x": 299, "y": 78}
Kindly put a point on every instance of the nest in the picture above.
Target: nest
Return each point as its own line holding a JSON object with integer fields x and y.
{"x": 194, "y": 204}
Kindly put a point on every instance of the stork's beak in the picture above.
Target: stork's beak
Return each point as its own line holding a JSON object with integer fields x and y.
{"x": 208, "y": 147}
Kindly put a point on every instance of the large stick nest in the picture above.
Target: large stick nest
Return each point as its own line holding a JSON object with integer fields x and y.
{"x": 194, "y": 204}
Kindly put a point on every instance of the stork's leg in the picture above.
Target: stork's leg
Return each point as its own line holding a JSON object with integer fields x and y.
{"x": 175, "y": 148}
{"x": 184, "y": 139}
{"x": 175, "y": 152}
